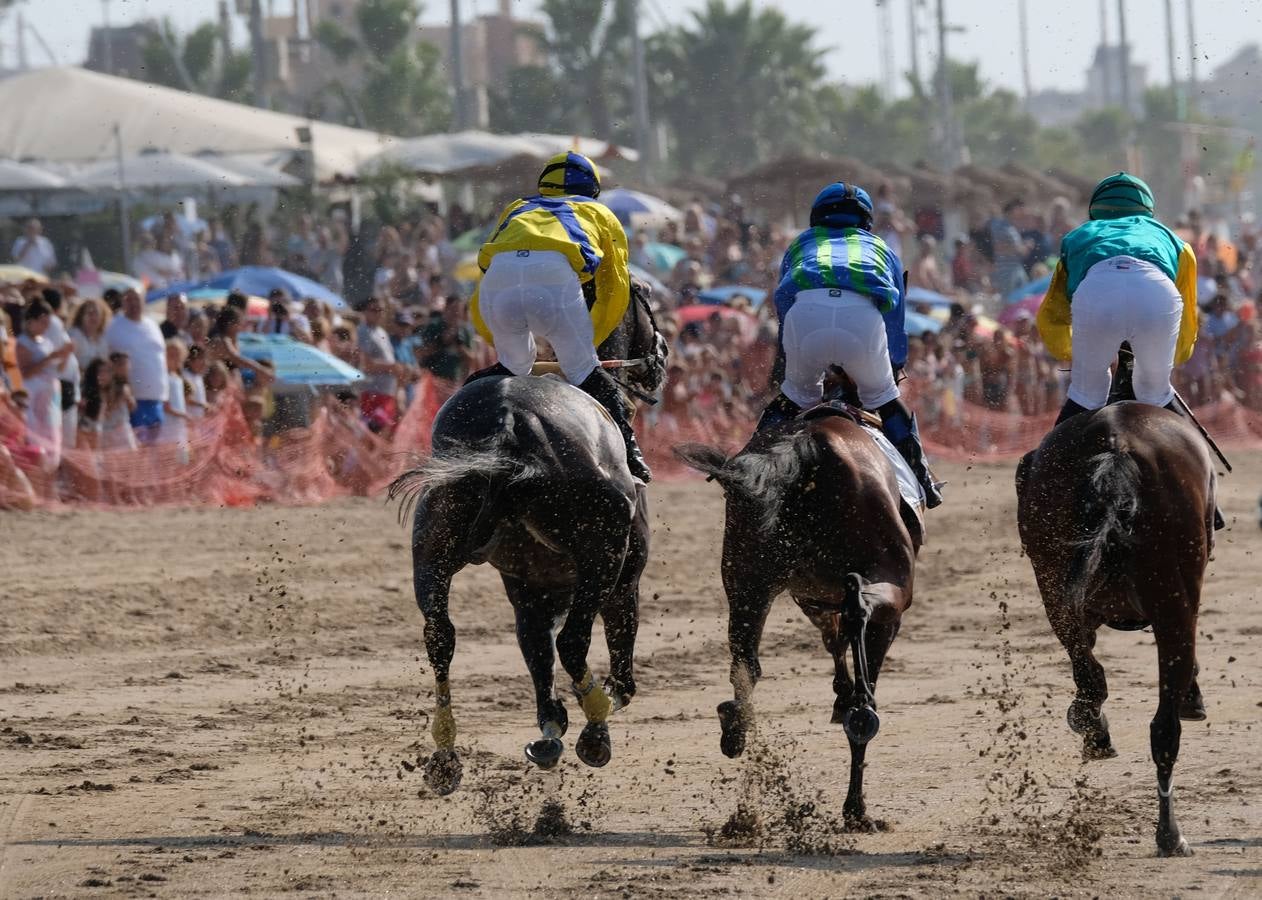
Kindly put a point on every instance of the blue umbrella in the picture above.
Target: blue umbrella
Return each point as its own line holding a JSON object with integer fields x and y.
{"x": 721, "y": 294}
{"x": 917, "y": 324}
{"x": 927, "y": 297}
{"x": 259, "y": 281}
{"x": 295, "y": 362}
{"x": 634, "y": 206}
{"x": 663, "y": 257}
{"x": 1037, "y": 286}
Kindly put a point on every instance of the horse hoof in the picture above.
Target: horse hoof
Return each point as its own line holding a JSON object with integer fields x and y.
{"x": 1193, "y": 710}
{"x": 592, "y": 746}
{"x": 1083, "y": 719}
{"x": 1178, "y": 846}
{"x": 861, "y": 724}
{"x": 443, "y": 772}
{"x": 732, "y": 721}
{"x": 545, "y": 752}
{"x": 1093, "y": 751}
{"x": 560, "y": 716}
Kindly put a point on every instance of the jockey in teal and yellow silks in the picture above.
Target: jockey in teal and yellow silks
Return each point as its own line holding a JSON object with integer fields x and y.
{"x": 556, "y": 266}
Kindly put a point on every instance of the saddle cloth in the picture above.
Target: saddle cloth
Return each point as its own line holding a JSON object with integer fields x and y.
{"x": 908, "y": 486}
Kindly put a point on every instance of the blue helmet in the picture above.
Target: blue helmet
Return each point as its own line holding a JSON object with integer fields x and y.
{"x": 842, "y": 205}
{"x": 570, "y": 173}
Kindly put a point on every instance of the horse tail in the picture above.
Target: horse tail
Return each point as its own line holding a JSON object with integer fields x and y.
{"x": 497, "y": 459}
{"x": 762, "y": 478}
{"x": 1109, "y": 500}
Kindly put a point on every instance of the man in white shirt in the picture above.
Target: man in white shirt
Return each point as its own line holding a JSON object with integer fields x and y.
{"x": 33, "y": 250}
{"x": 141, "y": 339}
{"x": 68, "y": 372}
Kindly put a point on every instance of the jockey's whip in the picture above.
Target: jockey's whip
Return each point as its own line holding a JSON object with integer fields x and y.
{"x": 1187, "y": 411}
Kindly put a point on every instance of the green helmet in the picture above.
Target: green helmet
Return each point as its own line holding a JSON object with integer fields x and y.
{"x": 1121, "y": 195}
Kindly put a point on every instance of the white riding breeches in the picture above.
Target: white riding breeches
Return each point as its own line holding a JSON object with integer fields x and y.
{"x": 535, "y": 292}
{"x": 1124, "y": 299}
{"x": 825, "y": 327}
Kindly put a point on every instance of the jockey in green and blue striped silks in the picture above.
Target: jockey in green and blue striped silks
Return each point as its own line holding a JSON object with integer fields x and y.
{"x": 840, "y": 301}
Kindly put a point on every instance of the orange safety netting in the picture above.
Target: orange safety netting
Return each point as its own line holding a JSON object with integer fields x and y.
{"x": 226, "y": 464}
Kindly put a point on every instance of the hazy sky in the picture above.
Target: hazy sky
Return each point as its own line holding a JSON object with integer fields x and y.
{"x": 1063, "y": 33}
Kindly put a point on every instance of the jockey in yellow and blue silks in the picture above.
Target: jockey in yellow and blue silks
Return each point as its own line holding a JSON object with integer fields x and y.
{"x": 1126, "y": 277}
{"x": 547, "y": 255}
{"x": 840, "y": 301}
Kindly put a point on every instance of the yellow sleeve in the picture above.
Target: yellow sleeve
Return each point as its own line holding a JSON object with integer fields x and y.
{"x": 1189, "y": 326}
{"x": 475, "y": 315}
{"x": 613, "y": 278}
{"x": 1054, "y": 317}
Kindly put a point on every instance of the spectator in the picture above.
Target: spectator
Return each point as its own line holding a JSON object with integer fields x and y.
{"x": 446, "y": 342}
{"x": 87, "y": 330}
{"x": 175, "y": 412}
{"x": 39, "y": 362}
{"x": 175, "y": 323}
{"x": 10, "y": 372}
{"x": 1008, "y": 248}
{"x": 195, "y": 366}
{"x": 378, "y": 398}
{"x": 97, "y": 379}
{"x": 157, "y": 262}
{"x": 33, "y": 250}
{"x": 142, "y": 341}
{"x": 120, "y": 406}
{"x": 222, "y": 345}
{"x": 926, "y": 272}
{"x": 997, "y": 365}
{"x": 68, "y": 372}
{"x": 218, "y": 383}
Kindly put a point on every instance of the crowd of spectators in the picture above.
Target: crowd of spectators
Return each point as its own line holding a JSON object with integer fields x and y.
{"x": 102, "y": 374}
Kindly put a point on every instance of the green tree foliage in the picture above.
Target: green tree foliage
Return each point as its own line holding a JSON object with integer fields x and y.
{"x": 166, "y": 51}
{"x": 583, "y": 87}
{"x": 737, "y": 84}
{"x": 383, "y": 79}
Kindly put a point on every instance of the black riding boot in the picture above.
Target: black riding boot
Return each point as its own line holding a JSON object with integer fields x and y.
{"x": 601, "y": 387}
{"x": 900, "y": 427}
{"x": 489, "y": 372}
{"x": 1219, "y": 522}
{"x": 780, "y": 409}
{"x": 1068, "y": 411}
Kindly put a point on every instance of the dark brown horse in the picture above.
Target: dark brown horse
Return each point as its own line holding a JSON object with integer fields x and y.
{"x": 1115, "y": 510}
{"x": 813, "y": 508}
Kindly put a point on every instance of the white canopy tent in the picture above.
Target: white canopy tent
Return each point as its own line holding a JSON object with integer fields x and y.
{"x": 17, "y": 176}
{"x": 469, "y": 153}
{"x": 155, "y": 170}
{"x": 70, "y": 114}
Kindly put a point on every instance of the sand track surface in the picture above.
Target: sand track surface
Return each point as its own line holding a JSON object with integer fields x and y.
{"x": 222, "y": 702}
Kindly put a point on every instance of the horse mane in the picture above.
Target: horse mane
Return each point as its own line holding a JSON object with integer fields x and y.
{"x": 1109, "y": 501}
{"x": 762, "y": 478}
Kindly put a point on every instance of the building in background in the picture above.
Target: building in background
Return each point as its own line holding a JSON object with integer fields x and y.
{"x": 119, "y": 49}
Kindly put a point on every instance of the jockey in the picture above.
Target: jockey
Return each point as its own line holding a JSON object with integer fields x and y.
{"x": 556, "y": 267}
{"x": 1130, "y": 278}
{"x": 840, "y": 301}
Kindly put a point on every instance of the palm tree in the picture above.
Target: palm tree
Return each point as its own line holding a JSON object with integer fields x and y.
{"x": 735, "y": 84}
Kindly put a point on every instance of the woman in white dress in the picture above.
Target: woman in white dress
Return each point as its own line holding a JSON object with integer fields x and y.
{"x": 40, "y": 365}
{"x": 87, "y": 330}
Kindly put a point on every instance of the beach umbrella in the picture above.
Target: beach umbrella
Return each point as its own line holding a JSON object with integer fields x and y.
{"x": 297, "y": 363}
{"x": 19, "y": 176}
{"x": 260, "y": 281}
{"x": 721, "y": 295}
{"x": 155, "y": 171}
{"x": 925, "y": 297}
{"x": 1029, "y": 306}
{"x": 1038, "y": 286}
{"x": 15, "y": 274}
{"x": 634, "y": 208}
{"x": 664, "y": 257}
{"x": 917, "y": 324}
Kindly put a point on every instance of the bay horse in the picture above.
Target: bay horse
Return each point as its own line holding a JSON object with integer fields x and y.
{"x": 813, "y": 507}
{"x": 1115, "y": 511}
{"x": 529, "y": 474}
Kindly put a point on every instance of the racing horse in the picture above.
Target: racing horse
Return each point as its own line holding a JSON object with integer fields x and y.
{"x": 1115, "y": 511}
{"x": 813, "y": 507}
{"x": 530, "y": 475}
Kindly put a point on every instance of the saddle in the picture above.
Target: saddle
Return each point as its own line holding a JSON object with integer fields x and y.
{"x": 843, "y": 409}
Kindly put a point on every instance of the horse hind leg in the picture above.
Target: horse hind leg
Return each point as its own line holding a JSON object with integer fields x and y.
{"x": 748, "y": 605}
{"x": 869, "y": 638}
{"x": 443, "y": 770}
{"x": 599, "y": 564}
{"x": 538, "y": 618}
{"x": 1176, "y": 656}
{"x": 1086, "y": 713}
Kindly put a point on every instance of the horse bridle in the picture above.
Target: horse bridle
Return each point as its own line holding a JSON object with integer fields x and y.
{"x": 654, "y": 363}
